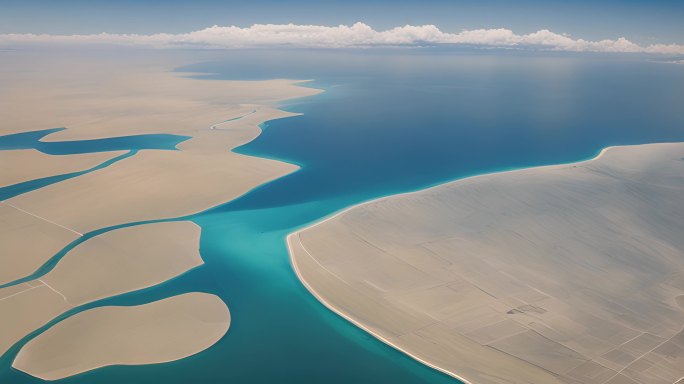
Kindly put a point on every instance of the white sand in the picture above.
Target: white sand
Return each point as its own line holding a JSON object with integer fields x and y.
{"x": 157, "y": 332}
{"x": 566, "y": 273}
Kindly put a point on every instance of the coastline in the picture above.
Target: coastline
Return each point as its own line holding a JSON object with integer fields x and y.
{"x": 328, "y": 217}
{"x": 212, "y": 171}
{"x": 131, "y": 338}
{"x": 350, "y": 317}
{"x": 293, "y": 241}
{"x": 355, "y": 322}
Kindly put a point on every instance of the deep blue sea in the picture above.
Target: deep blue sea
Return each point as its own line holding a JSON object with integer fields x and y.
{"x": 388, "y": 122}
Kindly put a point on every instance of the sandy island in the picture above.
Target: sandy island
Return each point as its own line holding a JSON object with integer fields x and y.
{"x": 100, "y": 95}
{"x": 157, "y": 332}
{"x": 562, "y": 274}
{"x": 115, "y": 262}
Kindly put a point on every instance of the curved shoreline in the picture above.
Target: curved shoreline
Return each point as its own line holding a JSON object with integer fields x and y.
{"x": 352, "y": 319}
{"x": 203, "y": 147}
{"x": 458, "y": 180}
{"x": 295, "y": 236}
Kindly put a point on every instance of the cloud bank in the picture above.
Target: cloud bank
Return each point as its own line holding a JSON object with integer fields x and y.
{"x": 347, "y": 36}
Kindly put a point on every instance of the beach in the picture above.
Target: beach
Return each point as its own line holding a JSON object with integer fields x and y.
{"x": 517, "y": 277}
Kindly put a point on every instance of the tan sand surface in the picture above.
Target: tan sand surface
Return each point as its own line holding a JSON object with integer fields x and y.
{"x": 27, "y": 242}
{"x": 116, "y": 93}
{"x": 18, "y": 166}
{"x": 160, "y": 184}
{"x": 560, "y": 274}
{"x": 96, "y": 97}
{"x": 157, "y": 332}
{"x": 112, "y": 263}
{"x": 25, "y": 311}
{"x": 126, "y": 259}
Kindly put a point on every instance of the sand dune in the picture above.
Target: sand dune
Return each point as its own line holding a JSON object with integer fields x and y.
{"x": 157, "y": 332}
{"x": 568, "y": 273}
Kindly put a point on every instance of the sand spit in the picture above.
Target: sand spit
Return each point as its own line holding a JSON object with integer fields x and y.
{"x": 18, "y": 166}
{"x": 559, "y": 274}
{"x": 115, "y": 262}
{"x": 157, "y": 332}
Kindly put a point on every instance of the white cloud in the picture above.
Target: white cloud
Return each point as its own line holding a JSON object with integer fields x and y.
{"x": 357, "y": 35}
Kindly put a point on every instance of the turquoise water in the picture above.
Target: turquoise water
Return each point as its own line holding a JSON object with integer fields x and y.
{"x": 28, "y": 186}
{"x": 387, "y": 123}
{"x": 31, "y": 140}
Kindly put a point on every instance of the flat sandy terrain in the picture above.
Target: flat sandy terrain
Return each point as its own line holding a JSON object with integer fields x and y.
{"x": 115, "y": 262}
{"x": 562, "y": 274}
{"x": 18, "y": 166}
{"x": 96, "y": 98}
{"x": 157, "y": 332}
{"x": 158, "y": 184}
{"x": 27, "y": 241}
{"x": 111, "y": 94}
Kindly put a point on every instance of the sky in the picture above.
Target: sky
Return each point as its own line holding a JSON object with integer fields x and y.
{"x": 643, "y": 21}
{"x": 569, "y": 25}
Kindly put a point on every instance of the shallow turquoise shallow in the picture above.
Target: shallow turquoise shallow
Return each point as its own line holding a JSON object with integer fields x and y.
{"x": 387, "y": 123}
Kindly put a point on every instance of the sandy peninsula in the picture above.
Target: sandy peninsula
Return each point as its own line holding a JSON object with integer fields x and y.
{"x": 561, "y": 274}
{"x": 157, "y": 332}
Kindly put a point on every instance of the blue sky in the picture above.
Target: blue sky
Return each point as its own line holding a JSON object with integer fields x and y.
{"x": 643, "y": 22}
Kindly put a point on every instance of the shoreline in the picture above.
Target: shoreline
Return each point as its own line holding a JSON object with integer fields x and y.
{"x": 352, "y": 320}
{"x": 436, "y": 186}
{"x": 229, "y": 175}
{"x": 294, "y": 236}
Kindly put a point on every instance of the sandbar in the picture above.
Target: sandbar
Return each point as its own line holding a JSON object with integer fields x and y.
{"x": 115, "y": 262}
{"x": 157, "y": 332}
